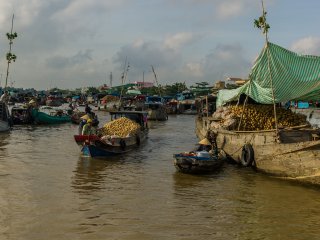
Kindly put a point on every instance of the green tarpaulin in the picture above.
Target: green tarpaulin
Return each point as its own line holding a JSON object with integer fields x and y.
{"x": 293, "y": 76}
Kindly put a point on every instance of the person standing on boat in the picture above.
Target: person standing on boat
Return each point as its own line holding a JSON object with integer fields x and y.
{"x": 81, "y": 124}
{"x": 87, "y": 109}
{"x": 5, "y": 97}
{"x": 88, "y": 129}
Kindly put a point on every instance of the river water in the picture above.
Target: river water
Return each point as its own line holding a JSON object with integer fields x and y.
{"x": 48, "y": 191}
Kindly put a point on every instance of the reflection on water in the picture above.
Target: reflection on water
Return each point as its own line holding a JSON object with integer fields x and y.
{"x": 48, "y": 191}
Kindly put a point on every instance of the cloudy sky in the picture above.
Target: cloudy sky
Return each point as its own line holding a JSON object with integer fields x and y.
{"x": 77, "y": 43}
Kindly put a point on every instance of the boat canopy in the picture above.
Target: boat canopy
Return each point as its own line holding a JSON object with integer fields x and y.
{"x": 293, "y": 77}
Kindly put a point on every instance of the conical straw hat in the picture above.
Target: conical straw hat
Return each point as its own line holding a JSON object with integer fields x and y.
{"x": 205, "y": 141}
{"x": 32, "y": 101}
{"x": 85, "y": 117}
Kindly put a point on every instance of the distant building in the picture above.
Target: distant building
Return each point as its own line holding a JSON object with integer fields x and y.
{"x": 140, "y": 85}
{"x": 237, "y": 81}
{"x": 220, "y": 85}
{"x": 104, "y": 87}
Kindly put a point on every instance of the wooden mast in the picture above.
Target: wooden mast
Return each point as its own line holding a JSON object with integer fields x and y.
{"x": 265, "y": 31}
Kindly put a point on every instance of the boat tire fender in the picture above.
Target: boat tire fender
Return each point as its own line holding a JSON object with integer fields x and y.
{"x": 138, "y": 140}
{"x": 123, "y": 144}
{"x": 247, "y": 155}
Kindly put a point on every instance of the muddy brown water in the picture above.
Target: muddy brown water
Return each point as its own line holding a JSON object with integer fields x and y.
{"x": 48, "y": 191}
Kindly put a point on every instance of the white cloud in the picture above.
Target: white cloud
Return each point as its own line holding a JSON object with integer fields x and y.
{"x": 79, "y": 9}
{"x": 196, "y": 69}
{"x": 225, "y": 60}
{"x": 25, "y": 12}
{"x": 230, "y": 9}
{"x": 142, "y": 54}
{"x": 179, "y": 39}
{"x": 62, "y": 62}
{"x": 308, "y": 45}
{"x": 233, "y": 8}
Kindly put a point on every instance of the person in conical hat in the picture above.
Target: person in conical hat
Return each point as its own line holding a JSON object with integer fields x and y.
{"x": 204, "y": 141}
{"x": 204, "y": 145}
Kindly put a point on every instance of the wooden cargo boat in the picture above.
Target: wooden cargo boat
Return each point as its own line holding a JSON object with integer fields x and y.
{"x": 287, "y": 152}
{"x": 156, "y": 111}
{"x": 295, "y": 154}
{"x": 45, "y": 118}
{"x": 96, "y": 146}
{"x": 156, "y": 108}
{"x": 21, "y": 115}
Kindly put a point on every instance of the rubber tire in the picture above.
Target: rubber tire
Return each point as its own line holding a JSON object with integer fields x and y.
{"x": 138, "y": 140}
{"x": 247, "y": 155}
{"x": 123, "y": 144}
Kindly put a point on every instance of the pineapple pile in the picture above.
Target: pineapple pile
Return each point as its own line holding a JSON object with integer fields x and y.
{"x": 256, "y": 117}
{"x": 121, "y": 127}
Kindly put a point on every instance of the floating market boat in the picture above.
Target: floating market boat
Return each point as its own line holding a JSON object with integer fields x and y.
{"x": 199, "y": 161}
{"x": 55, "y": 117}
{"x": 76, "y": 116}
{"x": 108, "y": 145}
{"x": 21, "y": 115}
{"x": 186, "y": 103}
{"x": 156, "y": 108}
{"x": 291, "y": 152}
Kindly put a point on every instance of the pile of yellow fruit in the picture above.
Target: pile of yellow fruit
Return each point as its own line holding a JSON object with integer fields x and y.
{"x": 261, "y": 117}
{"x": 121, "y": 127}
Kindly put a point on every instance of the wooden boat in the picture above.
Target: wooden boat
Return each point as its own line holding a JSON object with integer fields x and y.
{"x": 187, "y": 107}
{"x": 76, "y": 116}
{"x": 53, "y": 101}
{"x": 204, "y": 159}
{"x": 156, "y": 108}
{"x": 295, "y": 155}
{"x": 81, "y": 139}
{"x": 5, "y": 120}
{"x": 96, "y": 146}
{"x": 156, "y": 111}
{"x": 286, "y": 152}
{"x": 198, "y": 162}
{"x": 172, "y": 107}
{"x": 21, "y": 115}
{"x": 53, "y": 118}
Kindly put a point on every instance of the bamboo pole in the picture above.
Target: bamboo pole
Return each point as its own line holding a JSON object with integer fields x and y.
{"x": 243, "y": 108}
{"x": 123, "y": 78}
{"x": 207, "y": 107}
{"x": 269, "y": 68}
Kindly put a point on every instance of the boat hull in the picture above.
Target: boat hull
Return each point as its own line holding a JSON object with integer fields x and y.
{"x": 4, "y": 126}
{"x": 91, "y": 150}
{"x": 157, "y": 114}
{"x": 196, "y": 165}
{"x": 44, "y": 118}
{"x": 285, "y": 157}
{"x": 94, "y": 146}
